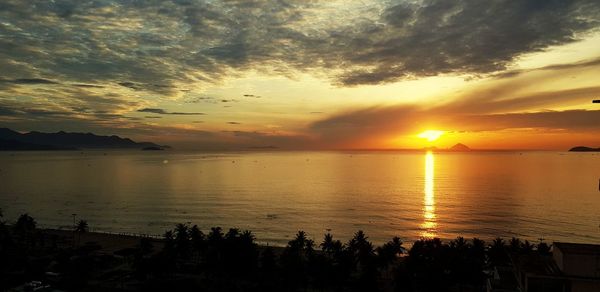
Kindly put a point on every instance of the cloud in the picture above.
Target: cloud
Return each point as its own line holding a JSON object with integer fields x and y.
{"x": 234, "y": 123}
{"x": 157, "y": 46}
{"x": 576, "y": 65}
{"x": 164, "y": 112}
{"x": 199, "y": 99}
{"x": 89, "y": 64}
{"x": 465, "y": 37}
{"x": 29, "y": 81}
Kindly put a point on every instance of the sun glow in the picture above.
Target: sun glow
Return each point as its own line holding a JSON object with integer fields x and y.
{"x": 431, "y": 135}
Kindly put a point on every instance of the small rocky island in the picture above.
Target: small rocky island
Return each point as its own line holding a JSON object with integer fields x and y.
{"x": 459, "y": 148}
{"x": 584, "y": 149}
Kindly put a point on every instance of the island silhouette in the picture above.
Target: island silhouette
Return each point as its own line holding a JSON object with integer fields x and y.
{"x": 584, "y": 149}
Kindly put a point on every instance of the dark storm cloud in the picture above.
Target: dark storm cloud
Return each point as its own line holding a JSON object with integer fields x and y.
{"x": 155, "y": 45}
{"x": 164, "y": 112}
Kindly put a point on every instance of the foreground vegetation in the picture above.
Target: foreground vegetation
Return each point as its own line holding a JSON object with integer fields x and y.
{"x": 189, "y": 259}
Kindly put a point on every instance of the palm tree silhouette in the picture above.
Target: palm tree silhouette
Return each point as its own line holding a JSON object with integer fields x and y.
{"x": 496, "y": 251}
{"x": 543, "y": 248}
{"x": 527, "y": 247}
{"x": 182, "y": 240}
{"x": 198, "y": 241}
{"x": 81, "y": 227}
{"x": 515, "y": 244}
{"x": 169, "y": 246}
{"x": 24, "y": 227}
{"x": 390, "y": 251}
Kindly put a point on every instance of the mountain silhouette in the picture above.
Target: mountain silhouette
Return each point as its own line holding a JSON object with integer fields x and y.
{"x": 460, "y": 147}
{"x": 12, "y": 140}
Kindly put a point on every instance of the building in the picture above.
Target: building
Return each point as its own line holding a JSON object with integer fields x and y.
{"x": 579, "y": 264}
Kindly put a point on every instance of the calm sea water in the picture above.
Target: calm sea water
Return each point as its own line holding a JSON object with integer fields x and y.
{"x": 550, "y": 195}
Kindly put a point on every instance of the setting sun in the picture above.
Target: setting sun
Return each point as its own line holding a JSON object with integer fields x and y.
{"x": 431, "y": 135}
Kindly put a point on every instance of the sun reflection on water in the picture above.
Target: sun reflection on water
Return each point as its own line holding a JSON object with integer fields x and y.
{"x": 429, "y": 222}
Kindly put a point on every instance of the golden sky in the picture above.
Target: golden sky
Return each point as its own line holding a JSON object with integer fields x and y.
{"x": 305, "y": 74}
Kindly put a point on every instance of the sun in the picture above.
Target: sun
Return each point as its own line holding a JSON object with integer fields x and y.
{"x": 431, "y": 135}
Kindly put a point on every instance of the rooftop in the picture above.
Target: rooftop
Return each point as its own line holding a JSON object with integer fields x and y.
{"x": 578, "y": 248}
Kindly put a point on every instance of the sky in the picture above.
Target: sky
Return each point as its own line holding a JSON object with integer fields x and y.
{"x": 299, "y": 74}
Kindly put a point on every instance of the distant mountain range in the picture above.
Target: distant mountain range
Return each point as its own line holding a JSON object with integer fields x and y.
{"x": 584, "y": 149}
{"x": 12, "y": 140}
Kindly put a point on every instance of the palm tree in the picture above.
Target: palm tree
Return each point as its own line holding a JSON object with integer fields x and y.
{"x": 527, "y": 247}
{"x": 24, "y": 228}
{"x": 232, "y": 234}
{"x": 459, "y": 243}
{"x": 543, "y": 248}
{"x": 498, "y": 243}
{"x": 198, "y": 240}
{"x": 515, "y": 244}
{"x": 247, "y": 238}
{"x": 81, "y": 227}
{"x": 390, "y": 251}
{"x": 182, "y": 240}
{"x": 25, "y": 224}
{"x": 497, "y": 253}
{"x": 294, "y": 261}
{"x": 478, "y": 245}
{"x": 215, "y": 235}
{"x": 169, "y": 246}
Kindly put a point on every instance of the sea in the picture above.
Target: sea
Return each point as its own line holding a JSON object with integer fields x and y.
{"x": 533, "y": 195}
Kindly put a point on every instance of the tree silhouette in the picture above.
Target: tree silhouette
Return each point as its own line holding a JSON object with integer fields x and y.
{"x": 390, "y": 251}
{"x": 294, "y": 261}
{"x": 515, "y": 244}
{"x": 198, "y": 242}
{"x": 543, "y": 248}
{"x": 25, "y": 224}
{"x": 24, "y": 228}
{"x": 364, "y": 259}
{"x": 81, "y": 227}
{"x": 497, "y": 252}
{"x": 182, "y": 241}
{"x": 527, "y": 247}
{"x": 169, "y": 247}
